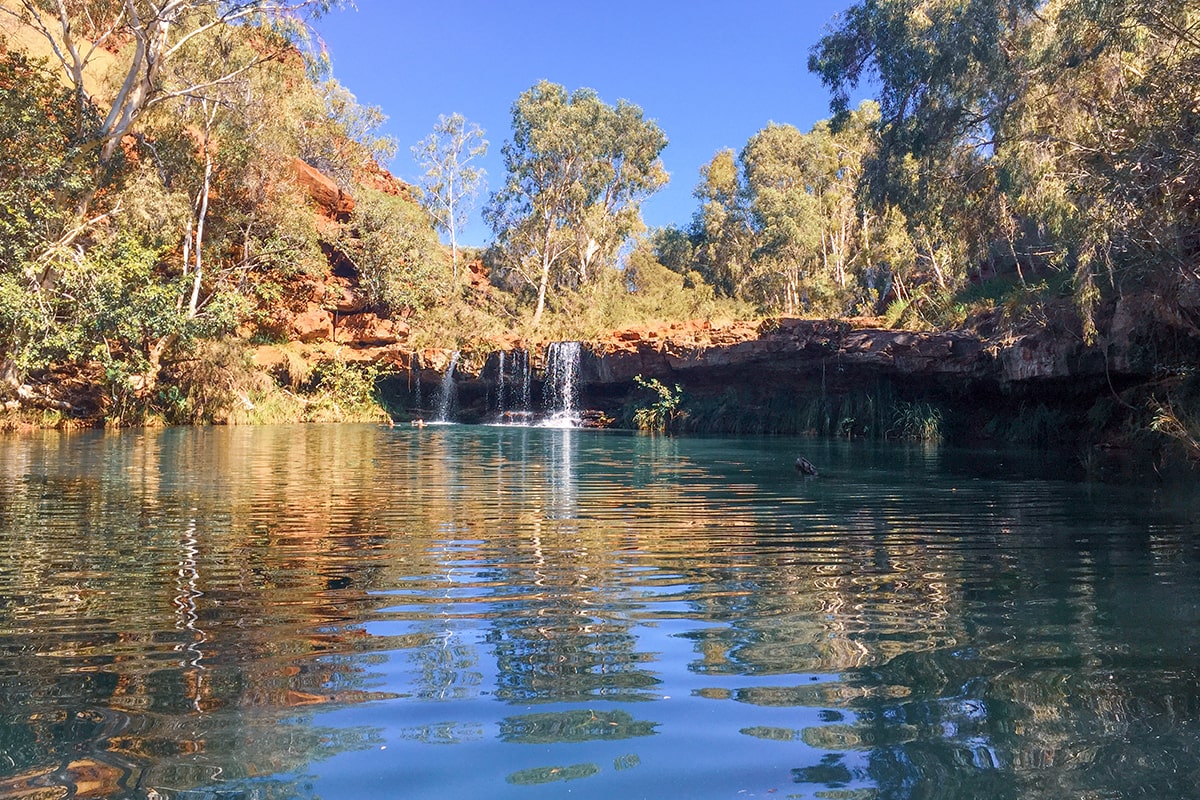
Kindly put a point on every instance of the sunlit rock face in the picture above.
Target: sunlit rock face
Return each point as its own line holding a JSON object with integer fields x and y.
{"x": 789, "y": 375}
{"x": 797, "y": 347}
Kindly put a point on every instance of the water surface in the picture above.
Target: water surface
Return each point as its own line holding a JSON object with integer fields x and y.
{"x": 353, "y": 611}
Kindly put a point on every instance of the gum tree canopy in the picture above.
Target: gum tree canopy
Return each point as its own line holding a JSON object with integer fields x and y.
{"x": 578, "y": 171}
{"x": 161, "y": 32}
{"x": 1062, "y": 130}
{"x": 84, "y": 272}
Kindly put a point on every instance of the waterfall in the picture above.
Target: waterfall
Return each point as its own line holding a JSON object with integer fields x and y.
{"x": 560, "y": 389}
{"x": 526, "y": 378}
{"x": 512, "y": 388}
{"x": 446, "y": 397}
{"x": 561, "y": 392}
{"x": 500, "y": 407}
{"x": 414, "y": 375}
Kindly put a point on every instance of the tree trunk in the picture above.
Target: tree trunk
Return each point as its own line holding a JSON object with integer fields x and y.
{"x": 201, "y": 216}
{"x": 544, "y": 281}
{"x": 451, "y": 224}
{"x": 937, "y": 268}
{"x": 154, "y": 355}
{"x": 542, "y": 285}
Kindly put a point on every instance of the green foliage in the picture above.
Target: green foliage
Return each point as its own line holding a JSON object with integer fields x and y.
{"x": 675, "y": 250}
{"x": 144, "y": 265}
{"x": 782, "y": 225}
{"x": 45, "y": 176}
{"x": 1175, "y": 413}
{"x": 1030, "y": 135}
{"x": 722, "y": 236}
{"x": 339, "y": 135}
{"x": 163, "y": 68}
{"x": 917, "y": 421}
{"x": 641, "y": 290}
{"x": 451, "y": 183}
{"x": 395, "y": 252}
{"x": 346, "y": 392}
{"x": 44, "y": 169}
{"x": 577, "y": 172}
{"x": 874, "y": 412}
{"x": 216, "y": 383}
{"x": 662, "y": 414}
{"x": 467, "y": 319}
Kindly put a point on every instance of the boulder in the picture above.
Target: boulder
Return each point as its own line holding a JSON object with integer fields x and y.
{"x": 368, "y": 330}
{"x": 314, "y": 324}
{"x": 373, "y": 176}
{"x": 325, "y": 193}
{"x": 342, "y": 295}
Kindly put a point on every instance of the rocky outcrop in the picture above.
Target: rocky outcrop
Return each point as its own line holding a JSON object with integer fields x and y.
{"x": 334, "y": 309}
{"x": 800, "y": 346}
{"x": 323, "y": 190}
{"x": 314, "y": 324}
{"x": 763, "y": 373}
{"x": 370, "y": 330}
{"x": 376, "y": 177}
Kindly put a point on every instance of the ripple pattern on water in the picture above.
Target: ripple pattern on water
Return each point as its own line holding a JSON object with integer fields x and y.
{"x": 188, "y": 610}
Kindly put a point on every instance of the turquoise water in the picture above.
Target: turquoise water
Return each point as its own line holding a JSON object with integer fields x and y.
{"x": 353, "y": 611}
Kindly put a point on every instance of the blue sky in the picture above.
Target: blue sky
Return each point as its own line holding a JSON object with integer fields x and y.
{"x": 710, "y": 73}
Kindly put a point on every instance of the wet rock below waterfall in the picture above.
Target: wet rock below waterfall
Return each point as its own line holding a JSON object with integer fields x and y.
{"x": 595, "y": 419}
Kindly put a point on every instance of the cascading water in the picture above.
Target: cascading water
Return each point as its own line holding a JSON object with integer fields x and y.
{"x": 414, "y": 373}
{"x": 526, "y": 378}
{"x": 500, "y": 386}
{"x": 512, "y": 388}
{"x": 446, "y": 395}
{"x": 513, "y": 401}
{"x": 561, "y": 392}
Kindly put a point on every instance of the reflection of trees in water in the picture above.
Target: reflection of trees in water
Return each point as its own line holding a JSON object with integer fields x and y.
{"x": 563, "y": 643}
{"x": 189, "y": 588}
{"x": 1046, "y": 678}
{"x": 543, "y": 573}
{"x": 997, "y": 730}
{"x": 583, "y": 725}
{"x": 233, "y": 573}
{"x": 162, "y": 627}
{"x": 555, "y": 774}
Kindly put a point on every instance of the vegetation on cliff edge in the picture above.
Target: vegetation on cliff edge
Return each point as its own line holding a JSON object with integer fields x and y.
{"x": 1022, "y": 161}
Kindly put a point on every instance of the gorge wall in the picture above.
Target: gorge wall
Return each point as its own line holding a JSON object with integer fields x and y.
{"x": 1036, "y": 383}
{"x": 822, "y": 376}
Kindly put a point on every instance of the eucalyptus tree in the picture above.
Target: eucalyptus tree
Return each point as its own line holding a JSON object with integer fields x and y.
{"x": 1064, "y": 130}
{"x": 160, "y": 32}
{"x": 102, "y": 270}
{"x": 783, "y": 224}
{"x": 451, "y": 182}
{"x": 948, "y": 73}
{"x": 339, "y": 134}
{"x": 170, "y": 52}
{"x": 785, "y": 187}
{"x": 577, "y": 173}
{"x": 721, "y": 229}
{"x": 1111, "y": 121}
{"x": 394, "y": 250}
{"x": 41, "y": 172}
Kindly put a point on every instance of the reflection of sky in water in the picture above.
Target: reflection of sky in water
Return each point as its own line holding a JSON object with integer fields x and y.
{"x": 504, "y": 612}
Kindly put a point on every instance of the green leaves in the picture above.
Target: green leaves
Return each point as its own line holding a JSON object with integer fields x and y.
{"x": 395, "y": 252}
{"x": 662, "y": 413}
{"x": 782, "y": 224}
{"x": 44, "y": 171}
{"x": 578, "y": 170}
{"x": 1032, "y": 135}
{"x": 451, "y": 183}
